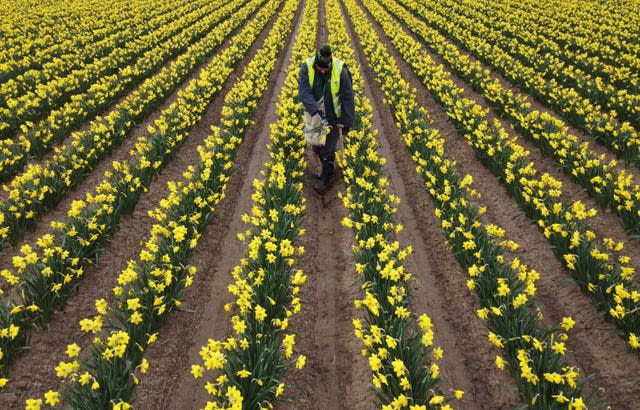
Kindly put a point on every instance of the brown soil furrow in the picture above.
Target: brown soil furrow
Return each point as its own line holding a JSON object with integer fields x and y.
{"x": 595, "y": 349}
{"x": 34, "y": 371}
{"x": 468, "y": 361}
{"x": 169, "y": 383}
{"x": 336, "y": 375}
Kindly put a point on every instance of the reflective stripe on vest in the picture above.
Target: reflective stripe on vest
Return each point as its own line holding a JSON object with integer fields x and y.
{"x": 336, "y": 70}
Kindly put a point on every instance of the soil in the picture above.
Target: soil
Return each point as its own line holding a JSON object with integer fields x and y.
{"x": 336, "y": 376}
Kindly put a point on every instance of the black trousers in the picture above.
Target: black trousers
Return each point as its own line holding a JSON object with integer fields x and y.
{"x": 329, "y": 148}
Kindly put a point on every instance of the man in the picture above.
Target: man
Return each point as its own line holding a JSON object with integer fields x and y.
{"x": 324, "y": 88}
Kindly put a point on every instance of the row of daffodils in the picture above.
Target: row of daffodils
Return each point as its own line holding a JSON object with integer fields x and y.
{"x": 34, "y": 35}
{"x": 28, "y": 105}
{"x": 49, "y": 271}
{"x": 595, "y": 263}
{"x": 594, "y": 88}
{"x": 42, "y": 186}
{"x": 590, "y": 35}
{"x": 602, "y": 179}
{"x": 534, "y": 353}
{"x": 600, "y": 123}
{"x": 149, "y": 289}
{"x": 602, "y": 53}
{"x": 398, "y": 343}
{"x": 245, "y": 370}
{"x": 91, "y": 93}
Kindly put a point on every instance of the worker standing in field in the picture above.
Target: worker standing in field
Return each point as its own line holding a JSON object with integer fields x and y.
{"x": 324, "y": 88}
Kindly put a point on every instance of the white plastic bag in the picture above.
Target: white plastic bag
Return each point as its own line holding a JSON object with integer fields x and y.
{"x": 315, "y": 129}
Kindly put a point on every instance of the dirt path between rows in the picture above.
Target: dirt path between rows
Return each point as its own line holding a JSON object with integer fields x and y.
{"x": 169, "y": 383}
{"x": 34, "y": 372}
{"x": 594, "y": 348}
{"x": 336, "y": 375}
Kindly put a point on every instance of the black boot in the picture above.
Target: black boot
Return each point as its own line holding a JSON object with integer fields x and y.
{"x": 331, "y": 169}
{"x": 324, "y": 179}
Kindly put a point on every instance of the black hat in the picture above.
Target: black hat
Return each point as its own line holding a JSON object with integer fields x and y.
{"x": 323, "y": 57}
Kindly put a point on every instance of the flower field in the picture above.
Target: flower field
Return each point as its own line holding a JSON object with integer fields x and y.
{"x": 162, "y": 245}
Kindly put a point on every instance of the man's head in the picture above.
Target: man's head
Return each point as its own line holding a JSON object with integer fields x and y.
{"x": 324, "y": 58}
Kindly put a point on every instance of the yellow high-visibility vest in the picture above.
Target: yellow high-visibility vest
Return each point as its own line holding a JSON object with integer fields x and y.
{"x": 336, "y": 70}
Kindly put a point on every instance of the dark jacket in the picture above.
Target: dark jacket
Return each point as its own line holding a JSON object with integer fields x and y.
{"x": 306, "y": 95}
